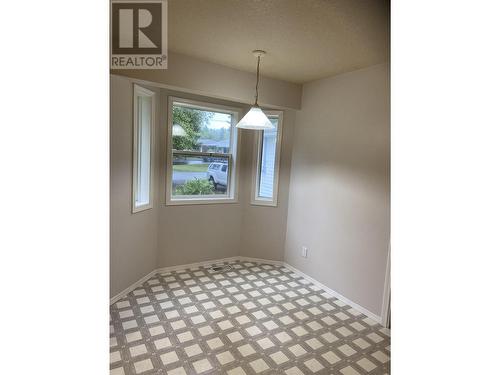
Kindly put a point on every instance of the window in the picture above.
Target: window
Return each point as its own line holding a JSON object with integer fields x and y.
{"x": 143, "y": 140}
{"x": 267, "y": 162}
{"x": 201, "y": 153}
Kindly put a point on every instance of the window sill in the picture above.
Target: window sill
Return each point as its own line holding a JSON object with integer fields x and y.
{"x": 262, "y": 202}
{"x": 194, "y": 201}
{"x": 137, "y": 209}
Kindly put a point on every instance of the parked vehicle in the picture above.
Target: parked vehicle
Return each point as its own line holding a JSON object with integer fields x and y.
{"x": 217, "y": 174}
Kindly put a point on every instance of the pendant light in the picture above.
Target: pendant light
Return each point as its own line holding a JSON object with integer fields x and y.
{"x": 178, "y": 131}
{"x": 255, "y": 119}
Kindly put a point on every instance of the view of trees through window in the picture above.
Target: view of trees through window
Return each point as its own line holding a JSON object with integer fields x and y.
{"x": 200, "y": 131}
{"x": 198, "y": 127}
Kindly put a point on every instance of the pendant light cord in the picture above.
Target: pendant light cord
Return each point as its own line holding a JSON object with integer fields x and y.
{"x": 257, "y": 83}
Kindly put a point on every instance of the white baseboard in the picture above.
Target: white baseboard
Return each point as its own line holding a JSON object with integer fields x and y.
{"x": 126, "y": 291}
{"x": 260, "y": 260}
{"x": 139, "y": 282}
{"x": 194, "y": 265}
{"x": 335, "y": 294}
{"x": 386, "y": 300}
{"x": 331, "y": 292}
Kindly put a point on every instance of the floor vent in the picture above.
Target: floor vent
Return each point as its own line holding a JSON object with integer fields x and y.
{"x": 221, "y": 268}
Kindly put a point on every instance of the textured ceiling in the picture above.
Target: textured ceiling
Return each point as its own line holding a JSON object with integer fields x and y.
{"x": 304, "y": 39}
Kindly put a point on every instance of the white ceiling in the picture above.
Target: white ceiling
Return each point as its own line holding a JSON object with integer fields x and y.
{"x": 304, "y": 39}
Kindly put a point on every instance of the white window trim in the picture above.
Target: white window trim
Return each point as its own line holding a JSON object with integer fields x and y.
{"x": 141, "y": 91}
{"x": 233, "y": 161}
{"x": 256, "y": 200}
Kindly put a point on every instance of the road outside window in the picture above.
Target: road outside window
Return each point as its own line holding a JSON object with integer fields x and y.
{"x": 202, "y": 149}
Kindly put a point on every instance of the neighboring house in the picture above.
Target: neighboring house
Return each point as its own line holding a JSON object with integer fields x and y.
{"x": 209, "y": 145}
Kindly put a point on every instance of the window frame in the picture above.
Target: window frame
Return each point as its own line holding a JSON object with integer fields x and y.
{"x": 139, "y": 91}
{"x": 233, "y": 160}
{"x": 256, "y": 169}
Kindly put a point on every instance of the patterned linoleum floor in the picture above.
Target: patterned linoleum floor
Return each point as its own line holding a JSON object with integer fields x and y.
{"x": 252, "y": 319}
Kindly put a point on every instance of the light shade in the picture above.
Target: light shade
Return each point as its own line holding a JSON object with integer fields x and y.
{"x": 255, "y": 119}
{"x": 178, "y": 131}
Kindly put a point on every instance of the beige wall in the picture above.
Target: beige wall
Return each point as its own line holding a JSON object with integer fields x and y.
{"x": 172, "y": 235}
{"x": 193, "y": 76}
{"x": 264, "y": 228}
{"x": 337, "y": 205}
{"x": 339, "y": 188}
{"x": 194, "y": 233}
{"x": 133, "y": 237}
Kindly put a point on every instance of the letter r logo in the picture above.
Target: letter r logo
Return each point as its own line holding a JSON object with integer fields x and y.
{"x": 136, "y": 28}
{"x": 138, "y": 34}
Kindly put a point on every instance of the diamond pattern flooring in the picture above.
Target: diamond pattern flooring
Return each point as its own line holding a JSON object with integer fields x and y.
{"x": 251, "y": 319}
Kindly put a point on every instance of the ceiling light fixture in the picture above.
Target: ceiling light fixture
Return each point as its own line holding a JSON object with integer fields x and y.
{"x": 178, "y": 131}
{"x": 255, "y": 119}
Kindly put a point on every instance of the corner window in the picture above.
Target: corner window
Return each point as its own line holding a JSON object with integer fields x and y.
{"x": 267, "y": 162}
{"x": 201, "y": 153}
{"x": 142, "y": 153}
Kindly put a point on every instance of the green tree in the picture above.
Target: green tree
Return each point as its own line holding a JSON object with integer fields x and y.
{"x": 192, "y": 121}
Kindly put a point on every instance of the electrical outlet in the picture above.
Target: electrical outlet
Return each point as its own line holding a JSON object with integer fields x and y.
{"x": 304, "y": 251}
